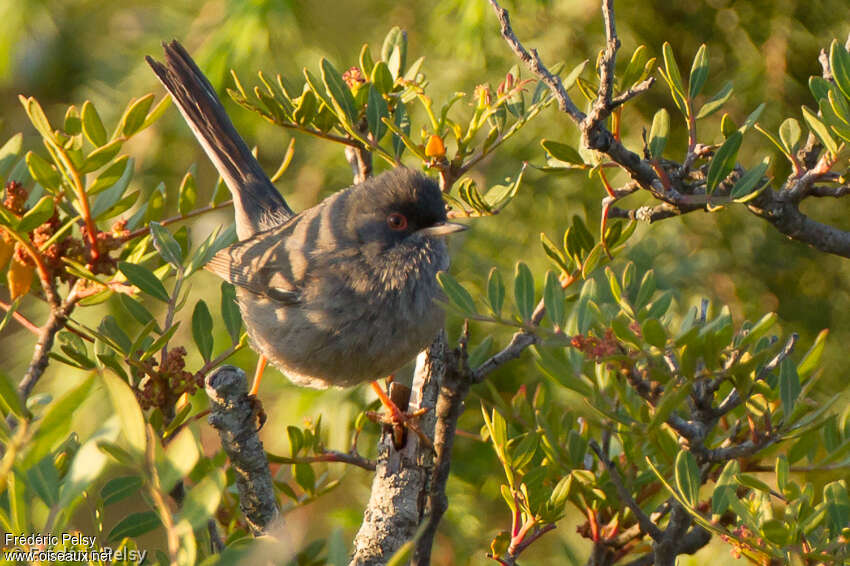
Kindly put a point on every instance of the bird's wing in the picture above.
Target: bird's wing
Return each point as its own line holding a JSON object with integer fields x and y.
{"x": 263, "y": 265}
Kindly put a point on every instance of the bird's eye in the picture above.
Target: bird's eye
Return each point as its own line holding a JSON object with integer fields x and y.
{"x": 397, "y": 221}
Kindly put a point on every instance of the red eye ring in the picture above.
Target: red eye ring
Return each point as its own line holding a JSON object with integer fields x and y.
{"x": 397, "y": 221}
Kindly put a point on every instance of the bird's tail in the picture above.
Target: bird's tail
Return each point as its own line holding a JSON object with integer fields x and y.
{"x": 258, "y": 205}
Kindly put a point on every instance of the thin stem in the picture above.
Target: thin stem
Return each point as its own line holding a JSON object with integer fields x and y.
{"x": 85, "y": 212}
{"x": 24, "y": 321}
{"x": 197, "y": 212}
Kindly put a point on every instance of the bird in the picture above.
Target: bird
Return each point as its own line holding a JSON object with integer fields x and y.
{"x": 341, "y": 293}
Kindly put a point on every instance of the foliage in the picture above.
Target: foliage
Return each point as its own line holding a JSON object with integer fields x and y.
{"x": 639, "y": 413}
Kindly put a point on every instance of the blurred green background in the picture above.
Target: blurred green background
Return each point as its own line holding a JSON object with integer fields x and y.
{"x": 66, "y": 51}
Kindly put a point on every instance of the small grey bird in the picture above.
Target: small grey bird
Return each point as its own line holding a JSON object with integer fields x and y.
{"x": 343, "y": 292}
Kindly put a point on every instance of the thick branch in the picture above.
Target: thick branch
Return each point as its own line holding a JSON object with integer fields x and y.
{"x": 233, "y": 414}
{"x": 397, "y": 502}
{"x": 55, "y": 322}
{"x": 454, "y": 388}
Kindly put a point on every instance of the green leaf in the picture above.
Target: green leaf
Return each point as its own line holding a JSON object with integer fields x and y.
{"x": 789, "y": 385}
{"x": 339, "y": 92}
{"x": 658, "y": 133}
{"x": 166, "y": 245}
{"x": 376, "y": 108}
{"x": 562, "y": 152}
{"x": 646, "y": 289}
{"x": 101, "y": 156}
{"x": 10, "y": 402}
{"x": 89, "y": 461}
{"x": 188, "y": 195}
{"x": 496, "y": 291}
{"x": 725, "y": 488}
{"x": 144, "y": 279}
{"x": 135, "y": 308}
{"x": 811, "y": 359}
{"x": 56, "y": 423}
{"x": 92, "y": 125}
{"x": 789, "y": 134}
{"x": 745, "y": 185}
{"x": 37, "y": 116}
{"x": 10, "y": 152}
{"x": 758, "y": 329}
{"x": 121, "y": 171}
{"x": 305, "y": 477}
{"x": 553, "y": 300}
{"x": 723, "y": 161}
{"x": 716, "y": 102}
{"x": 134, "y": 117}
{"x": 672, "y": 68}
{"x": 133, "y": 525}
{"x": 634, "y": 70}
{"x": 118, "y": 489}
{"x": 230, "y": 311}
{"x": 37, "y": 215}
{"x": 555, "y": 254}
{"x": 839, "y": 62}
{"x": 127, "y": 408}
{"x": 202, "y": 500}
{"x": 394, "y": 50}
{"x": 654, "y": 333}
{"x": 181, "y": 455}
{"x": 44, "y": 480}
{"x": 202, "y": 326}
{"x": 402, "y": 124}
{"x": 837, "y": 506}
{"x": 456, "y": 293}
{"x": 687, "y": 477}
{"x": 820, "y": 130}
{"x": 382, "y": 79}
{"x": 43, "y": 172}
{"x": 524, "y": 291}
{"x": 699, "y": 72}
{"x": 782, "y": 470}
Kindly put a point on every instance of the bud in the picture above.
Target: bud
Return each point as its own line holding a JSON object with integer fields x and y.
{"x": 435, "y": 147}
{"x": 353, "y": 77}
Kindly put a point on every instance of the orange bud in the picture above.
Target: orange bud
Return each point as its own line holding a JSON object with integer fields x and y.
{"x": 435, "y": 147}
{"x": 19, "y": 278}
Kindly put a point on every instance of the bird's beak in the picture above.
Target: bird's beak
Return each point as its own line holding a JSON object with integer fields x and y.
{"x": 442, "y": 229}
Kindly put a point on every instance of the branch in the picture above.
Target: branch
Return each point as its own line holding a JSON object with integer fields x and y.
{"x": 536, "y": 66}
{"x": 233, "y": 414}
{"x": 643, "y": 520}
{"x": 454, "y": 387}
{"x": 400, "y": 487}
{"x": 24, "y": 321}
{"x": 519, "y": 342}
{"x": 352, "y": 458}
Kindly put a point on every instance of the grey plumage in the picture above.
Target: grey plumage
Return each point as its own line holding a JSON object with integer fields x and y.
{"x": 341, "y": 293}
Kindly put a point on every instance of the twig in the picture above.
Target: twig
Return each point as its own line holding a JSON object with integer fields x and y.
{"x": 536, "y": 66}
{"x": 197, "y": 212}
{"x": 643, "y": 520}
{"x": 352, "y": 458}
{"x": 233, "y": 415}
{"x": 24, "y": 321}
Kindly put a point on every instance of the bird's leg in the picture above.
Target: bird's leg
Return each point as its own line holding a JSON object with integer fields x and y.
{"x": 395, "y": 417}
{"x": 255, "y": 387}
{"x": 258, "y": 375}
